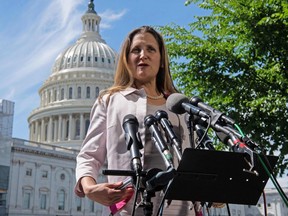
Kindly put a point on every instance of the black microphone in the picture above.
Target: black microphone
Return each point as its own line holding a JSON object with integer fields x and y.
{"x": 179, "y": 104}
{"x": 162, "y": 118}
{"x": 133, "y": 141}
{"x": 216, "y": 114}
{"x": 151, "y": 123}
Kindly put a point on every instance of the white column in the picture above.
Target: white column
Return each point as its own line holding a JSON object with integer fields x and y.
{"x": 42, "y": 136}
{"x": 70, "y": 132}
{"x": 36, "y": 138}
{"x": 82, "y": 126}
{"x": 60, "y": 125}
{"x": 55, "y": 130}
{"x": 49, "y": 135}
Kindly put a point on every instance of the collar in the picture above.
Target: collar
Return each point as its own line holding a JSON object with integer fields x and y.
{"x": 131, "y": 90}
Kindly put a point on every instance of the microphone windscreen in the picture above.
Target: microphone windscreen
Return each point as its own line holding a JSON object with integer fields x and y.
{"x": 174, "y": 103}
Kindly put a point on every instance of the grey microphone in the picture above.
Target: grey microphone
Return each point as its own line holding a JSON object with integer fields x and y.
{"x": 179, "y": 104}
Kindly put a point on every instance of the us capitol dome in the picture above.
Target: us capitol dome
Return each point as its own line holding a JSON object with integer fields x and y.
{"x": 78, "y": 75}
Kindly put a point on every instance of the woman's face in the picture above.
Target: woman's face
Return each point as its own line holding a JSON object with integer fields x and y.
{"x": 144, "y": 58}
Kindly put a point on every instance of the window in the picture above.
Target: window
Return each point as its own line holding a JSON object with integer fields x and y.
{"x": 78, "y": 204}
{"x": 67, "y": 129}
{"x": 96, "y": 59}
{"x": 77, "y": 128}
{"x": 81, "y": 59}
{"x": 88, "y": 92}
{"x": 43, "y": 201}
{"x": 89, "y": 58}
{"x": 61, "y": 199}
{"x": 28, "y": 172}
{"x": 62, "y": 94}
{"x": 109, "y": 61}
{"x": 70, "y": 92}
{"x": 55, "y": 95}
{"x": 102, "y": 59}
{"x": 44, "y": 174}
{"x": 269, "y": 205}
{"x": 53, "y": 131}
{"x": 79, "y": 92}
{"x": 96, "y": 92}
{"x": 62, "y": 176}
{"x": 46, "y": 132}
{"x": 3, "y": 199}
{"x": 92, "y": 208}
{"x": 26, "y": 198}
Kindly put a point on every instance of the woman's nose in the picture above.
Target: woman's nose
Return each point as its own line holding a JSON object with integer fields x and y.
{"x": 143, "y": 54}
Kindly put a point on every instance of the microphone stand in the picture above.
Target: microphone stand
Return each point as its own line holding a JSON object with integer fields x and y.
{"x": 189, "y": 122}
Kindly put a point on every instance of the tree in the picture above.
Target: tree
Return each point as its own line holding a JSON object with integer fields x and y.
{"x": 236, "y": 60}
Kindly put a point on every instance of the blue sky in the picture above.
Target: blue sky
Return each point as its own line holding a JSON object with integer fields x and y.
{"x": 34, "y": 32}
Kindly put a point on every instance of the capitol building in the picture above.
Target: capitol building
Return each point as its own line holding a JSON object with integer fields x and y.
{"x": 37, "y": 176}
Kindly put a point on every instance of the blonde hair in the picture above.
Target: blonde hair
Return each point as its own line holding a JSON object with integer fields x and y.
{"x": 123, "y": 76}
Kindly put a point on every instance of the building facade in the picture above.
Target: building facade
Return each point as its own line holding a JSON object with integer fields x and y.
{"x": 6, "y": 126}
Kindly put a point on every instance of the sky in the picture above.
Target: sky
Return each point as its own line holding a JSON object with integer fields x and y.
{"x": 34, "y": 32}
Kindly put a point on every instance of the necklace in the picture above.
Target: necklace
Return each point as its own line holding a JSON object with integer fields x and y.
{"x": 155, "y": 97}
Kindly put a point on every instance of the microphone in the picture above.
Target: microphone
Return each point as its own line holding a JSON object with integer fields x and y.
{"x": 162, "y": 118}
{"x": 196, "y": 101}
{"x": 180, "y": 104}
{"x": 133, "y": 140}
{"x": 151, "y": 123}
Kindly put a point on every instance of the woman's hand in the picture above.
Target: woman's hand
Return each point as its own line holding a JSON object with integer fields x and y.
{"x": 105, "y": 193}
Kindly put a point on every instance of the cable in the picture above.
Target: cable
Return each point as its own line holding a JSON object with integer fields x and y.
{"x": 160, "y": 209}
{"x": 205, "y": 133}
{"x": 136, "y": 195}
{"x": 273, "y": 179}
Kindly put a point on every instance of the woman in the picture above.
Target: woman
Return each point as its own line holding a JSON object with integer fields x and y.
{"x": 141, "y": 85}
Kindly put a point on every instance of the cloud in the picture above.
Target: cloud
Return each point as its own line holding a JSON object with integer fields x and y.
{"x": 108, "y": 16}
{"x": 34, "y": 47}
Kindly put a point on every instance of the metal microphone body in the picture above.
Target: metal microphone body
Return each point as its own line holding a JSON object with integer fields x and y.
{"x": 151, "y": 123}
{"x": 196, "y": 101}
{"x": 162, "y": 118}
{"x": 133, "y": 141}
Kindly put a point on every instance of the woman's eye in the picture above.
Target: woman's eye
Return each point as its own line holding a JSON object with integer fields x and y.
{"x": 151, "y": 49}
{"x": 135, "y": 50}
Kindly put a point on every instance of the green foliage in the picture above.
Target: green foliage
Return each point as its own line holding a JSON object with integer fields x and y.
{"x": 236, "y": 60}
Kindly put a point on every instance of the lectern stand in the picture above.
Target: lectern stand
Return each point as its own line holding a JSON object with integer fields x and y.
{"x": 218, "y": 176}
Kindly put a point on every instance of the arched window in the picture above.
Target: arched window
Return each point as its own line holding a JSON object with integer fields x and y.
{"x": 46, "y": 132}
{"x": 53, "y": 131}
{"x": 62, "y": 94}
{"x": 67, "y": 129}
{"x": 88, "y": 92}
{"x": 49, "y": 97}
{"x": 77, "y": 129}
{"x": 55, "y": 95}
{"x": 27, "y": 196}
{"x": 43, "y": 198}
{"x": 70, "y": 92}
{"x": 79, "y": 92}
{"x": 61, "y": 199}
{"x": 96, "y": 92}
